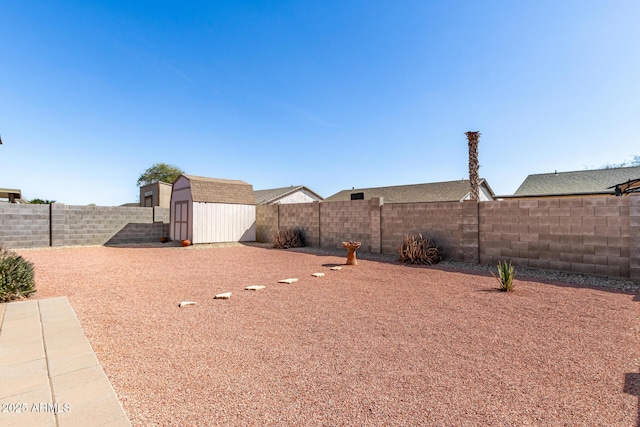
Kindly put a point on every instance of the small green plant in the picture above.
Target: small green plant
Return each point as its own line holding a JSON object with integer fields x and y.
{"x": 416, "y": 249}
{"x": 285, "y": 239}
{"x": 41, "y": 202}
{"x": 16, "y": 276}
{"x": 506, "y": 274}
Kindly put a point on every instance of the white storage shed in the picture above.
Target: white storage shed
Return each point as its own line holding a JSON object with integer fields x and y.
{"x": 212, "y": 210}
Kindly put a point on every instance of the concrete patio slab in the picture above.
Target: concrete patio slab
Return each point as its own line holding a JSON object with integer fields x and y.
{"x": 49, "y": 373}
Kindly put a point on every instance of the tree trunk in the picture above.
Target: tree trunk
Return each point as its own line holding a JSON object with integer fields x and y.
{"x": 474, "y": 166}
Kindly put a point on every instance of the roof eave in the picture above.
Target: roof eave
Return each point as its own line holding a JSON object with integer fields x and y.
{"x": 528, "y": 196}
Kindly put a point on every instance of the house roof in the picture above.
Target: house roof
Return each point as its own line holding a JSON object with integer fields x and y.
{"x": 4, "y": 193}
{"x": 449, "y": 191}
{"x": 154, "y": 183}
{"x": 216, "y": 190}
{"x": 583, "y": 182}
{"x": 264, "y": 197}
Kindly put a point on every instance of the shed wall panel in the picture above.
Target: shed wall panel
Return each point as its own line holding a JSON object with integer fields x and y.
{"x": 221, "y": 222}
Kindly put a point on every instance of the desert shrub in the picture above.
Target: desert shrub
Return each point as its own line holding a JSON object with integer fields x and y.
{"x": 505, "y": 276}
{"x": 16, "y": 276}
{"x": 418, "y": 249}
{"x": 285, "y": 239}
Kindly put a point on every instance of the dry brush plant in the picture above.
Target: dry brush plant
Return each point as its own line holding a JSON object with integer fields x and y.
{"x": 16, "y": 276}
{"x": 505, "y": 276}
{"x": 285, "y": 239}
{"x": 417, "y": 249}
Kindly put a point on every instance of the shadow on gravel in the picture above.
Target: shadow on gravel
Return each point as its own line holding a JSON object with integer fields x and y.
{"x": 555, "y": 278}
{"x": 632, "y": 387}
{"x": 332, "y": 265}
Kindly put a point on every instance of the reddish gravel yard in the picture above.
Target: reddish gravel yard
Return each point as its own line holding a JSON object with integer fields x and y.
{"x": 376, "y": 344}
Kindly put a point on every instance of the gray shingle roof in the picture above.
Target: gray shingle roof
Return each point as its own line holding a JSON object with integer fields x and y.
{"x": 449, "y": 191}
{"x": 216, "y": 190}
{"x": 264, "y": 197}
{"x": 576, "y": 182}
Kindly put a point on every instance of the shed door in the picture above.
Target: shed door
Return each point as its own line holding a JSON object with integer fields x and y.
{"x": 182, "y": 220}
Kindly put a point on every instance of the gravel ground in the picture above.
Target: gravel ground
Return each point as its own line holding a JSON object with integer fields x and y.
{"x": 376, "y": 344}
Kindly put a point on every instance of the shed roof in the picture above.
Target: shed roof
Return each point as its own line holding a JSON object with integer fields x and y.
{"x": 216, "y": 190}
{"x": 583, "y": 182}
{"x": 449, "y": 191}
{"x": 264, "y": 197}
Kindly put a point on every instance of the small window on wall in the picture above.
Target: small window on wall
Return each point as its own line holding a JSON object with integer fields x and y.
{"x": 357, "y": 196}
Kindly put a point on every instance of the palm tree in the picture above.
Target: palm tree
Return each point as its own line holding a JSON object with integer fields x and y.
{"x": 474, "y": 166}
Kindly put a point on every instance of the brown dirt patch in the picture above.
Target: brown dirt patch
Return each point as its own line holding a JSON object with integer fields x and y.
{"x": 376, "y": 344}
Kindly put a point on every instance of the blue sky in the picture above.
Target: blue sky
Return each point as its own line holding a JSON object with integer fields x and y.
{"x": 327, "y": 94}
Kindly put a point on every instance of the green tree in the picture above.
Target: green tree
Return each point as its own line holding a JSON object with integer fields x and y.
{"x": 159, "y": 172}
{"x": 41, "y": 202}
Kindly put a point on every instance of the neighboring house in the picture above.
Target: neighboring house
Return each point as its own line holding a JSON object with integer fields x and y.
{"x": 211, "y": 210}
{"x": 584, "y": 183}
{"x": 155, "y": 194}
{"x": 10, "y": 195}
{"x": 450, "y": 191}
{"x": 293, "y": 194}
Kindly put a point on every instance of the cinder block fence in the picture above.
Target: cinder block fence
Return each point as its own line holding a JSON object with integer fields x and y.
{"x": 591, "y": 235}
{"x": 29, "y": 226}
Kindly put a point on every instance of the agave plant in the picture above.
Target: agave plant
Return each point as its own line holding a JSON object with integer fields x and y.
{"x": 506, "y": 274}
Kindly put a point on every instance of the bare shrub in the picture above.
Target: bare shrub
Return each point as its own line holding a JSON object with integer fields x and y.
{"x": 416, "y": 249}
{"x": 285, "y": 239}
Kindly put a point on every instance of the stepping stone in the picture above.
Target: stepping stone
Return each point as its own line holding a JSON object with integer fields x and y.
{"x": 336, "y": 268}
{"x": 254, "y": 288}
{"x": 289, "y": 281}
{"x": 183, "y": 303}
{"x": 225, "y": 295}
{"x": 318, "y": 274}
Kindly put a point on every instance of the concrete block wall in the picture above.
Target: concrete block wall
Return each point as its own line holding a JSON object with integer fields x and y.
{"x": 346, "y": 221}
{"x": 579, "y": 235}
{"x": 24, "y": 226}
{"x": 594, "y": 235}
{"x": 266, "y": 222}
{"x": 634, "y": 237}
{"x": 140, "y": 233}
{"x": 453, "y": 226}
{"x": 96, "y": 225}
{"x": 301, "y": 215}
{"x": 161, "y": 214}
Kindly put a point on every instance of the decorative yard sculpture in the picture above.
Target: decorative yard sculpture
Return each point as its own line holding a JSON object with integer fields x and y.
{"x": 351, "y": 251}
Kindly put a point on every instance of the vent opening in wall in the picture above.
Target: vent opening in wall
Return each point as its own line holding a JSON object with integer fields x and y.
{"x": 357, "y": 196}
